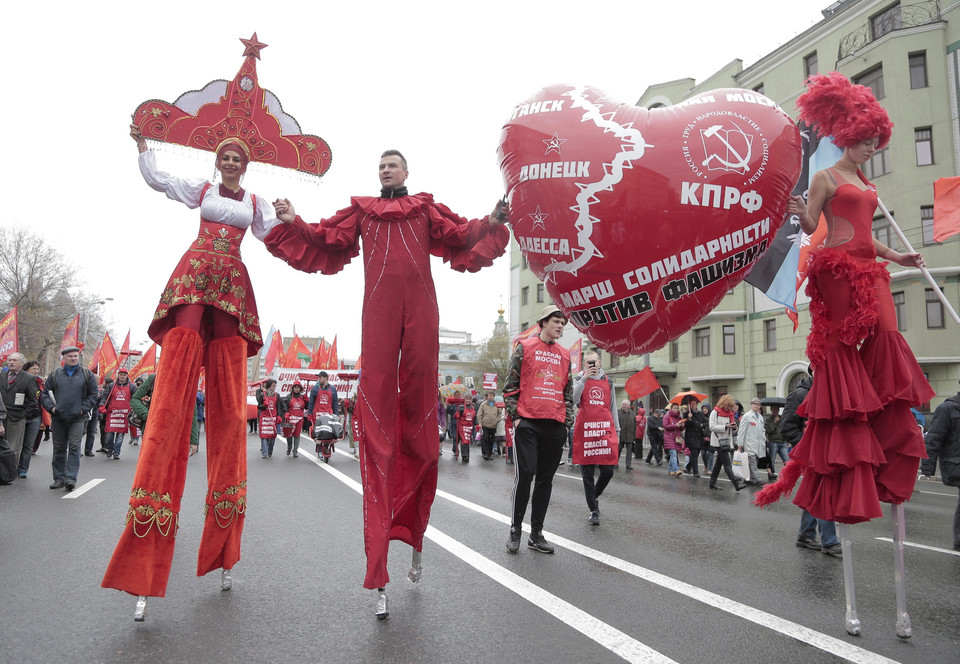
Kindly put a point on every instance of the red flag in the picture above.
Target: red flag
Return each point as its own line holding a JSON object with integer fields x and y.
{"x": 575, "y": 356}
{"x": 641, "y": 383}
{"x": 316, "y": 362}
{"x": 298, "y": 351}
{"x": 108, "y": 357}
{"x": 125, "y": 348}
{"x": 273, "y": 352}
{"x": 9, "y": 335}
{"x": 146, "y": 365}
{"x": 94, "y": 361}
{"x": 288, "y": 359}
{"x": 356, "y": 367}
{"x": 71, "y": 335}
{"x": 332, "y": 360}
{"x": 946, "y": 208}
{"x": 526, "y": 334}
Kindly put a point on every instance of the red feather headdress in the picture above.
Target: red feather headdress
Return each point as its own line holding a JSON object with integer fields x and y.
{"x": 848, "y": 112}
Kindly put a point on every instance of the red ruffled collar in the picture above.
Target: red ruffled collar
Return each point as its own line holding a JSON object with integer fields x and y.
{"x": 393, "y": 209}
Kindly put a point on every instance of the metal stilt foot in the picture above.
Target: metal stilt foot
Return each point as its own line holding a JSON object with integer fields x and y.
{"x": 416, "y": 569}
{"x": 383, "y": 606}
{"x": 904, "y": 629}
{"x": 138, "y": 614}
{"x": 225, "y": 581}
{"x": 852, "y": 620}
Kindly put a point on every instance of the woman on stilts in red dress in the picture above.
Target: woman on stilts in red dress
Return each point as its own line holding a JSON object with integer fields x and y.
{"x": 861, "y": 445}
{"x": 207, "y": 316}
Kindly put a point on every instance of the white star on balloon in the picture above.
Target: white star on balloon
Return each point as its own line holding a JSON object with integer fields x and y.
{"x": 553, "y": 144}
{"x": 538, "y": 218}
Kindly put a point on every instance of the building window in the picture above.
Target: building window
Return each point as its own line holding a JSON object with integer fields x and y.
{"x": 523, "y": 262}
{"x": 795, "y": 381}
{"x": 614, "y": 361}
{"x": 881, "y": 230}
{"x": 674, "y": 351}
{"x": 873, "y": 79}
{"x": 716, "y": 392}
{"x": 539, "y": 292}
{"x": 524, "y": 326}
{"x": 934, "y": 311}
{"x": 886, "y": 21}
{"x": 918, "y": 70}
{"x": 923, "y": 137}
{"x": 729, "y": 340}
{"x": 701, "y": 342}
{"x": 810, "y": 65}
{"x": 878, "y": 165}
{"x": 770, "y": 334}
{"x": 900, "y": 306}
{"x": 926, "y": 223}
{"x": 759, "y": 89}
{"x": 453, "y": 357}
{"x": 448, "y": 380}
{"x": 524, "y": 296}
{"x": 761, "y": 390}
{"x": 657, "y": 400}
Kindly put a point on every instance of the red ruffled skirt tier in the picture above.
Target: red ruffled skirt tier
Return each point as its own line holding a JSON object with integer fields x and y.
{"x": 862, "y": 445}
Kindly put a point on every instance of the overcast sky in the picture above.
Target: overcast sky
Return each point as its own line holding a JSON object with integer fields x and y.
{"x": 435, "y": 80}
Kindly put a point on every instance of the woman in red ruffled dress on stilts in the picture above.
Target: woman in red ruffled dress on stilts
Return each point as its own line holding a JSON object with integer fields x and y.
{"x": 207, "y": 316}
{"x": 861, "y": 445}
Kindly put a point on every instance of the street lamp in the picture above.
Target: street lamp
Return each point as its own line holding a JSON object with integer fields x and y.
{"x": 85, "y": 317}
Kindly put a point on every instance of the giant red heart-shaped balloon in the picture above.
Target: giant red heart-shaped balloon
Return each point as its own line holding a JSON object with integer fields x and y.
{"x": 639, "y": 221}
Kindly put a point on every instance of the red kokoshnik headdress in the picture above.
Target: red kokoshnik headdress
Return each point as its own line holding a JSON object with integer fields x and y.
{"x": 237, "y": 111}
{"x": 846, "y": 111}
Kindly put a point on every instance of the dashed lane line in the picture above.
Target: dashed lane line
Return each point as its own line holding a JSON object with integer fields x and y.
{"x": 796, "y": 631}
{"x": 605, "y": 635}
{"x": 83, "y": 488}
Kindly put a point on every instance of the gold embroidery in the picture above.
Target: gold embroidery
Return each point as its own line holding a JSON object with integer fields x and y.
{"x": 226, "y": 511}
{"x": 145, "y": 516}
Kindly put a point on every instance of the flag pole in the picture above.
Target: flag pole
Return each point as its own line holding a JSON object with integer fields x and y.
{"x": 923, "y": 269}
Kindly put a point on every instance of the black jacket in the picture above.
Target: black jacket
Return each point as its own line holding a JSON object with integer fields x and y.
{"x": 75, "y": 396}
{"x": 654, "y": 424}
{"x": 26, "y": 384}
{"x": 943, "y": 442}
{"x": 696, "y": 429}
{"x": 791, "y": 424}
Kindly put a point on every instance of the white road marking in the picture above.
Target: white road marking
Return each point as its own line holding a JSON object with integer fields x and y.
{"x": 606, "y": 635}
{"x": 935, "y": 493}
{"x": 921, "y": 546}
{"x": 76, "y": 493}
{"x": 611, "y": 639}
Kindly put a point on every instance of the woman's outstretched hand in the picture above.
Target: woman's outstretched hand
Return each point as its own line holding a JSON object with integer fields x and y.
{"x": 137, "y": 135}
{"x": 284, "y": 209}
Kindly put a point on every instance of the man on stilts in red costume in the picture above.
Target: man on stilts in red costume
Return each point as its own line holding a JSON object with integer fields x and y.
{"x": 396, "y": 400}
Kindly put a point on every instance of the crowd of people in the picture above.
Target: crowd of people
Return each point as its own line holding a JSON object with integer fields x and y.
{"x": 70, "y": 406}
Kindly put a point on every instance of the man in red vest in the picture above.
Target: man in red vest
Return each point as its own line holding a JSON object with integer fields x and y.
{"x": 538, "y": 396}
{"x": 115, "y": 407}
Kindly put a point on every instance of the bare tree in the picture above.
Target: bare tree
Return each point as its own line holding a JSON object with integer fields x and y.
{"x": 493, "y": 356}
{"x": 36, "y": 278}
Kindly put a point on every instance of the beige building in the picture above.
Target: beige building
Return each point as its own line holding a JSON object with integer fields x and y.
{"x": 908, "y": 54}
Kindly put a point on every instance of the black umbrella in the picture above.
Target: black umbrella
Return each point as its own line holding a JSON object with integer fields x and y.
{"x": 773, "y": 401}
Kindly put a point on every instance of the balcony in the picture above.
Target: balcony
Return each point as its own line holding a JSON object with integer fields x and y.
{"x": 894, "y": 18}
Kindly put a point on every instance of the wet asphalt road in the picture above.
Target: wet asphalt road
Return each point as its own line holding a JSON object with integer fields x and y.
{"x": 675, "y": 572}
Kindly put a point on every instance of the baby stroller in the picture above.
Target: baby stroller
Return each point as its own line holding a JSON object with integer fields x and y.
{"x": 326, "y": 431}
